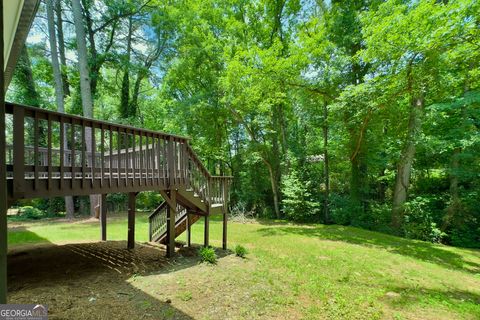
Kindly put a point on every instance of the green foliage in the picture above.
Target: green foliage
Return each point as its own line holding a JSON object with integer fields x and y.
{"x": 419, "y": 223}
{"x": 31, "y": 213}
{"x": 298, "y": 203}
{"x": 207, "y": 254}
{"x": 265, "y": 88}
{"x": 240, "y": 251}
{"x": 26, "y": 213}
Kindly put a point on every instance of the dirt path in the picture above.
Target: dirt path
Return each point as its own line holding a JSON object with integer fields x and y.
{"x": 92, "y": 280}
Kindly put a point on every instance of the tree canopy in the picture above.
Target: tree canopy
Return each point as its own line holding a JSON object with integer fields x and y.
{"x": 363, "y": 113}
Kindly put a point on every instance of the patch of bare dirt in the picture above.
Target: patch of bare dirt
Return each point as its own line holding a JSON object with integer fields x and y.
{"x": 91, "y": 280}
{"x": 104, "y": 280}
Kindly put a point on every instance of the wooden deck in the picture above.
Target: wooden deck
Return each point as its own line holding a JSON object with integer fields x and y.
{"x": 52, "y": 154}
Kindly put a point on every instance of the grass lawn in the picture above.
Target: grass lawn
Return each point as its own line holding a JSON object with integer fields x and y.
{"x": 301, "y": 271}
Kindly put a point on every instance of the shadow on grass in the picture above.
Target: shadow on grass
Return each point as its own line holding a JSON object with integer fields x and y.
{"x": 420, "y": 250}
{"x": 22, "y": 235}
{"x": 96, "y": 280}
{"x": 461, "y": 301}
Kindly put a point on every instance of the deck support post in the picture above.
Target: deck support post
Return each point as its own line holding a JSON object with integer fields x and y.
{"x": 3, "y": 175}
{"x": 206, "y": 231}
{"x": 171, "y": 212}
{"x": 225, "y": 212}
{"x": 131, "y": 220}
{"x": 103, "y": 216}
{"x": 189, "y": 230}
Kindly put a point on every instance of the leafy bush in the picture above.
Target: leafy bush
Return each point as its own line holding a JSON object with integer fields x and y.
{"x": 208, "y": 255}
{"x": 377, "y": 218}
{"x": 342, "y": 209}
{"x": 240, "y": 251}
{"x": 297, "y": 202}
{"x": 419, "y": 223}
{"x": 31, "y": 213}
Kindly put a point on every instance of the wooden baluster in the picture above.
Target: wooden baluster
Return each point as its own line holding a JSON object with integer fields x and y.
{"x": 110, "y": 145}
{"x": 84, "y": 147}
{"x": 36, "y": 155}
{"x": 165, "y": 162}
{"x": 49, "y": 151}
{"x": 171, "y": 162}
{"x": 102, "y": 155}
{"x": 72, "y": 154}
{"x": 141, "y": 159}
{"x": 147, "y": 159}
{"x": 93, "y": 155}
{"x": 159, "y": 182}
{"x": 18, "y": 151}
{"x": 152, "y": 159}
{"x": 62, "y": 151}
{"x": 134, "y": 158}
{"x": 126, "y": 157}
{"x": 118, "y": 156}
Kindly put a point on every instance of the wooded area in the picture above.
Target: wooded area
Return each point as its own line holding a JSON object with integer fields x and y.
{"x": 363, "y": 113}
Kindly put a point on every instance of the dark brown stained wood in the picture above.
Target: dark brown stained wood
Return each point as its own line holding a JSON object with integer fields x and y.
{"x": 83, "y": 153}
{"x": 162, "y": 163}
{"x": 152, "y": 159}
{"x": 36, "y": 155}
{"x": 62, "y": 152}
{"x": 206, "y": 231}
{"x": 102, "y": 156}
{"x": 171, "y": 163}
{"x": 131, "y": 220}
{"x": 49, "y": 153}
{"x": 72, "y": 150}
{"x": 125, "y": 135}
{"x": 119, "y": 147}
{"x": 141, "y": 159}
{"x": 134, "y": 158}
{"x": 189, "y": 230}
{"x": 225, "y": 213}
{"x": 103, "y": 216}
{"x": 30, "y": 111}
{"x": 166, "y": 196}
{"x": 171, "y": 211}
{"x": 92, "y": 156}
{"x": 110, "y": 145}
{"x": 159, "y": 181}
{"x": 18, "y": 152}
{"x": 3, "y": 175}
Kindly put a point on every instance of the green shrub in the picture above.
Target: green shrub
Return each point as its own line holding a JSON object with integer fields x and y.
{"x": 240, "y": 251}
{"x": 343, "y": 209}
{"x": 208, "y": 255}
{"x": 419, "y": 223}
{"x": 298, "y": 202}
{"x": 31, "y": 213}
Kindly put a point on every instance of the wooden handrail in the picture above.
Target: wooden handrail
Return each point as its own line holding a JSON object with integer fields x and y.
{"x": 55, "y": 116}
{"x": 56, "y": 154}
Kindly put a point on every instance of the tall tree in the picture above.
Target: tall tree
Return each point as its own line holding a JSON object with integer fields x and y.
{"x": 59, "y": 86}
{"x": 85, "y": 90}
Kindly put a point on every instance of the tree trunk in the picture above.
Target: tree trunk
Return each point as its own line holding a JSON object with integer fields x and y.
{"x": 274, "y": 183}
{"x": 61, "y": 48}
{"x": 59, "y": 88}
{"x": 125, "y": 111}
{"x": 57, "y": 74}
{"x": 24, "y": 76}
{"x": 404, "y": 167}
{"x": 455, "y": 205}
{"x": 326, "y": 169}
{"x": 85, "y": 90}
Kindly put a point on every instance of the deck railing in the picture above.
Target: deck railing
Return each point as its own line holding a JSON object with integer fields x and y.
{"x": 55, "y": 154}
